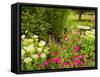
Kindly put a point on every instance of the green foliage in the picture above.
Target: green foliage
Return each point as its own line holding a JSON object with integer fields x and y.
{"x": 43, "y": 21}
{"x": 50, "y": 39}
{"x": 87, "y": 43}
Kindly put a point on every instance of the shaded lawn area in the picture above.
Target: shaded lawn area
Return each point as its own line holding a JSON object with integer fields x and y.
{"x": 86, "y": 20}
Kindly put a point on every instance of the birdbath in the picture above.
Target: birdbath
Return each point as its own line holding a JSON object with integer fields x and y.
{"x": 83, "y": 29}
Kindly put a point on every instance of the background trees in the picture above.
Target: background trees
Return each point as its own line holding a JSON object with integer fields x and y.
{"x": 82, "y": 12}
{"x": 47, "y": 23}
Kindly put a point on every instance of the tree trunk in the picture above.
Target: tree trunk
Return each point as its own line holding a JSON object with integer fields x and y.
{"x": 80, "y": 16}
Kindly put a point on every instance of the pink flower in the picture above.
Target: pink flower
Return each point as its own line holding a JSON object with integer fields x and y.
{"x": 76, "y": 48}
{"x": 81, "y": 56}
{"x": 64, "y": 63}
{"x": 52, "y": 60}
{"x": 58, "y": 60}
{"x": 46, "y": 62}
{"x": 56, "y": 53}
{"x": 78, "y": 62}
{"x": 77, "y": 57}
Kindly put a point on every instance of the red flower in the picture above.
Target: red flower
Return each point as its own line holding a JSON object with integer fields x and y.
{"x": 52, "y": 60}
{"x": 78, "y": 62}
{"x": 77, "y": 48}
{"x": 46, "y": 62}
{"x": 58, "y": 60}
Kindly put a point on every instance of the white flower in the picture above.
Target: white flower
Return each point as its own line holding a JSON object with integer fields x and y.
{"x": 42, "y": 43}
{"x": 39, "y": 49}
{"x": 26, "y": 31}
{"x": 35, "y": 56}
{"x": 89, "y": 33}
{"x": 43, "y": 55}
{"x": 35, "y": 36}
{"x": 27, "y": 42}
{"x": 91, "y": 36}
{"x": 23, "y": 36}
{"x": 47, "y": 48}
{"x": 36, "y": 40}
{"x": 93, "y": 31}
{"x": 22, "y": 51}
{"x": 30, "y": 40}
{"x": 29, "y": 48}
{"x": 27, "y": 60}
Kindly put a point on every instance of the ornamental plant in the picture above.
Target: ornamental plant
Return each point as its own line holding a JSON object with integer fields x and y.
{"x": 33, "y": 52}
{"x": 74, "y": 53}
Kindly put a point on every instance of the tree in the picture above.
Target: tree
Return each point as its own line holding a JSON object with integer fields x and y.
{"x": 82, "y": 11}
{"x": 43, "y": 22}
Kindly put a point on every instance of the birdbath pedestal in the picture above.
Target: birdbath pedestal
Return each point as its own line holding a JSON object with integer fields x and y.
{"x": 83, "y": 29}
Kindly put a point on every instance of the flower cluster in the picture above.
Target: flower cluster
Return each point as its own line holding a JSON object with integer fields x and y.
{"x": 76, "y": 52}
{"x": 33, "y": 50}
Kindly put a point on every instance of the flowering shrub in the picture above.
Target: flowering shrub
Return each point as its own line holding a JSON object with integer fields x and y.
{"x": 33, "y": 52}
{"x": 76, "y": 51}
